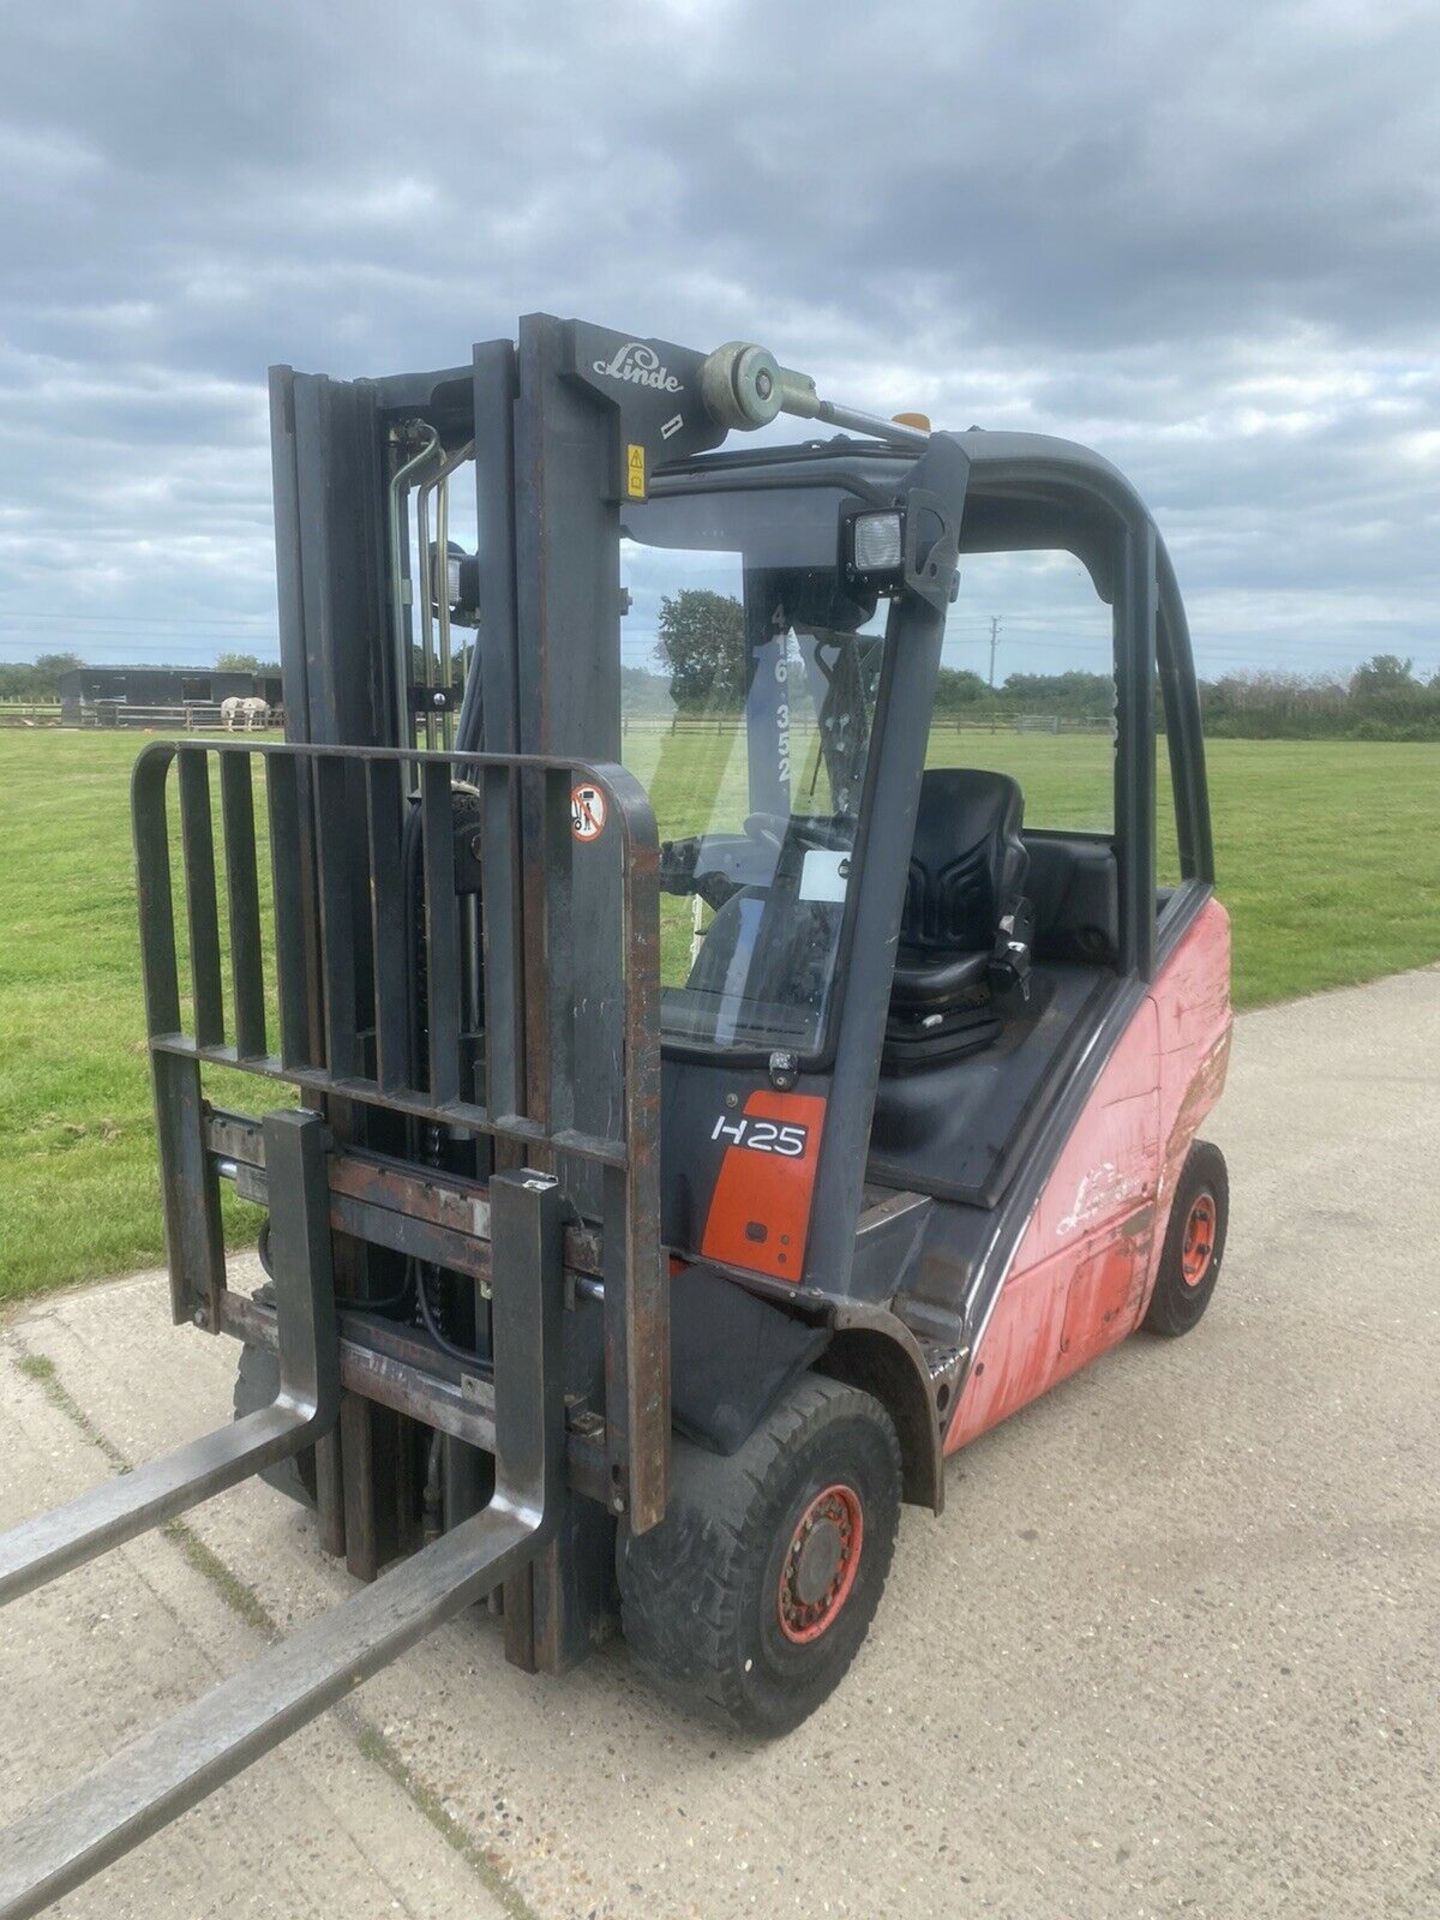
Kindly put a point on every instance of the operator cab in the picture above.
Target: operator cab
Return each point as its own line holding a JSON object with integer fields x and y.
{"x": 761, "y": 712}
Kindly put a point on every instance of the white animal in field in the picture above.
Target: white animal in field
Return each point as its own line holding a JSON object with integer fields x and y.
{"x": 246, "y": 712}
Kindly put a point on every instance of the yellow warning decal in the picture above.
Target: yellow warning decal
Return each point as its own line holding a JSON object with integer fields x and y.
{"x": 635, "y": 471}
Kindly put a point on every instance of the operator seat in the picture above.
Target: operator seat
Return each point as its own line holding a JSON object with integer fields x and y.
{"x": 966, "y": 928}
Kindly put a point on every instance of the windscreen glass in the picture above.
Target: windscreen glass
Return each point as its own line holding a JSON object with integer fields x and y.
{"x": 750, "y": 683}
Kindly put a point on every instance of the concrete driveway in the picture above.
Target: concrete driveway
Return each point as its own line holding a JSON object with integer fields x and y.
{"x": 1172, "y": 1650}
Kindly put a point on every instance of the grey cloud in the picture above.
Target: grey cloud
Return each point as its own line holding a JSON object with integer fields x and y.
{"x": 1204, "y": 237}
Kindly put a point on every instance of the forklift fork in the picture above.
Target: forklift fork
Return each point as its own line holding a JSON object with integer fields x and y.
{"x": 157, "y": 1777}
{"x": 306, "y": 1407}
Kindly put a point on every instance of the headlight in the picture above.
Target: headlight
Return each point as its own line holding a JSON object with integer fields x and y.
{"x": 877, "y": 542}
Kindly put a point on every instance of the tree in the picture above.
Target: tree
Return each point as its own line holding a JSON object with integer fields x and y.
{"x": 1076, "y": 692}
{"x": 702, "y": 644}
{"x": 1386, "y": 673}
{"x": 48, "y": 669}
{"x": 642, "y": 692}
{"x": 958, "y": 687}
{"x": 238, "y": 663}
{"x": 460, "y": 658}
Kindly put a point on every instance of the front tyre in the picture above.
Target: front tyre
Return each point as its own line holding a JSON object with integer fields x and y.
{"x": 1194, "y": 1244}
{"x": 753, "y": 1595}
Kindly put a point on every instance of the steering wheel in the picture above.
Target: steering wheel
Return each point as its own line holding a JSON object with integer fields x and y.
{"x": 773, "y": 829}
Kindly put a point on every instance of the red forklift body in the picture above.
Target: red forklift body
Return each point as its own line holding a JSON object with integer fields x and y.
{"x": 1083, "y": 1274}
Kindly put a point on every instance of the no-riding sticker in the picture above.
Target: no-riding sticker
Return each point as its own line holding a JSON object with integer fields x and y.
{"x": 587, "y": 811}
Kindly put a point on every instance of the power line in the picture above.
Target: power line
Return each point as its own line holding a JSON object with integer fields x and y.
{"x": 132, "y": 652}
{"x": 1345, "y": 649}
{"x": 14, "y": 647}
{"x": 214, "y": 620}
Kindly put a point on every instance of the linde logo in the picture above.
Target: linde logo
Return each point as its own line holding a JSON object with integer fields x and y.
{"x": 640, "y": 365}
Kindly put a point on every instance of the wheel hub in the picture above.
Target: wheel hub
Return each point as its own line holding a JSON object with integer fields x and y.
{"x": 820, "y": 1564}
{"x": 1198, "y": 1245}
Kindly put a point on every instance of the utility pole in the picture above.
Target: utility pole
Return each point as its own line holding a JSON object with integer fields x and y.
{"x": 994, "y": 637}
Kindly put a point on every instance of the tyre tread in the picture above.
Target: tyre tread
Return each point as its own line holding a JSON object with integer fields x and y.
{"x": 1175, "y": 1309}
{"x": 713, "y": 1531}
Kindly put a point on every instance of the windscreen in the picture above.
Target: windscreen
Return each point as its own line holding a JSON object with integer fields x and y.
{"x": 752, "y": 672}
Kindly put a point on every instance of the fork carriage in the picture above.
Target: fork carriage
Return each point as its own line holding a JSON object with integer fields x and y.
{"x": 445, "y": 1081}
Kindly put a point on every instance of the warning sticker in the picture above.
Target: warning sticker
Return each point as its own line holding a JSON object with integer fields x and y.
{"x": 587, "y": 811}
{"x": 635, "y": 471}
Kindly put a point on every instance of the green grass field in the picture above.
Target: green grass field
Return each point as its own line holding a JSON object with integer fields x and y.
{"x": 1328, "y": 855}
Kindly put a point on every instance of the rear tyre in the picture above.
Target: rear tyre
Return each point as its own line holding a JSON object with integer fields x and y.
{"x": 1194, "y": 1244}
{"x": 751, "y": 1598}
{"x": 257, "y": 1382}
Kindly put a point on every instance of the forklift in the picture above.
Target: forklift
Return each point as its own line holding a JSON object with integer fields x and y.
{"x": 666, "y": 1165}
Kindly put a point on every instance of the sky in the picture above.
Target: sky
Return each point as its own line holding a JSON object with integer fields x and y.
{"x": 1202, "y": 236}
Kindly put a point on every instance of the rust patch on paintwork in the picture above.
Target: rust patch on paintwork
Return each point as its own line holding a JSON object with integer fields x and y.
{"x": 1142, "y": 1221}
{"x": 1101, "y": 1194}
{"x": 1208, "y": 1082}
{"x": 1206, "y": 1085}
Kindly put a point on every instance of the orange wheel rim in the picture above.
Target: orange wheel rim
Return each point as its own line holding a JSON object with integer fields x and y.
{"x": 820, "y": 1564}
{"x": 1197, "y": 1249}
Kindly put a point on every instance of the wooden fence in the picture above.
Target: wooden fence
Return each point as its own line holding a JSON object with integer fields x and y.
{"x": 720, "y": 724}
{"x": 109, "y": 715}
{"x": 196, "y": 717}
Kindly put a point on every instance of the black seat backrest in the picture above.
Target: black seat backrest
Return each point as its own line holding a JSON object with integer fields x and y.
{"x": 967, "y": 862}
{"x": 1074, "y": 890}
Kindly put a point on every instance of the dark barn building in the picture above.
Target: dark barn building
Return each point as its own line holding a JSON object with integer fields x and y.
{"x": 109, "y": 691}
